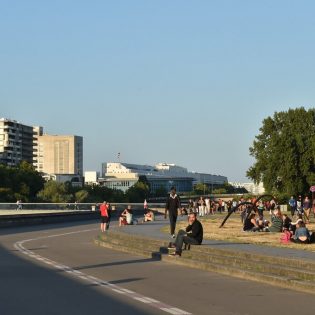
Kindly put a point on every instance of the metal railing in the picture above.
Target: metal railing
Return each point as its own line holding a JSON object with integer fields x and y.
{"x": 72, "y": 206}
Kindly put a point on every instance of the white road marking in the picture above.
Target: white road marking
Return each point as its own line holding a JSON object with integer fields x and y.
{"x": 175, "y": 311}
{"x": 118, "y": 291}
{"x": 143, "y": 300}
{"x": 127, "y": 291}
{"x": 93, "y": 280}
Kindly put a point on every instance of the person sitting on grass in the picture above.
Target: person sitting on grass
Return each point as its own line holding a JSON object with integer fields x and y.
{"x": 192, "y": 235}
{"x": 250, "y": 224}
{"x": 286, "y": 222}
{"x": 126, "y": 217}
{"x": 149, "y": 216}
{"x": 183, "y": 211}
{"x": 302, "y": 234}
{"x": 276, "y": 221}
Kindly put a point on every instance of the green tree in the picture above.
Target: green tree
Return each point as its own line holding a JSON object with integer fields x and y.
{"x": 81, "y": 196}
{"x": 160, "y": 192}
{"x": 138, "y": 192}
{"x": 284, "y": 152}
{"x": 201, "y": 189}
{"x": 55, "y": 192}
{"x": 219, "y": 191}
{"x": 23, "y": 182}
{"x": 98, "y": 194}
{"x": 6, "y": 195}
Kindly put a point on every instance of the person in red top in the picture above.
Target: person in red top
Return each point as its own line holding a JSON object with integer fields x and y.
{"x": 104, "y": 216}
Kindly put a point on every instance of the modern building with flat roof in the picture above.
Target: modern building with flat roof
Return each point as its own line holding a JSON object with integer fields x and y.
{"x": 59, "y": 154}
{"x": 122, "y": 176}
{"x": 255, "y": 189}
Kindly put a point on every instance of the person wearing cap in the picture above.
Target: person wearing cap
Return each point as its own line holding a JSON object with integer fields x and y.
{"x": 172, "y": 206}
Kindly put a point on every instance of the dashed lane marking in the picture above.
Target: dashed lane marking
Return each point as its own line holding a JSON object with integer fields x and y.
{"x": 93, "y": 280}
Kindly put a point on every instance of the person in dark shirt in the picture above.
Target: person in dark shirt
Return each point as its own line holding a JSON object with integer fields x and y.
{"x": 250, "y": 224}
{"x": 286, "y": 222}
{"x": 193, "y": 235}
{"x": 172, "y": 206}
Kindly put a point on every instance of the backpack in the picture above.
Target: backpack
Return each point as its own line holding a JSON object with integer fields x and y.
{"x": 285, "y": 237}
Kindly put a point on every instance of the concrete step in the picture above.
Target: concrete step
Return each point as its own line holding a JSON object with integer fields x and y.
{"x": 254, "y": 264}
{"x": 140, "y": 243}
{"x": 127, "y": 249}
{"x": 271, "y": 279}
{"x": 280, "y": 271}
{"x": 292, "y": 262}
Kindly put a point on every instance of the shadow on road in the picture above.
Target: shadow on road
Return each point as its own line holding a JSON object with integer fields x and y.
{"x": 117, "y": 263}
{"x": 27, "y": 287}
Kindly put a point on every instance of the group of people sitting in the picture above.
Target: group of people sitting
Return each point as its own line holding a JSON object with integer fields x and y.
{"x": 126, "y": 217}
{"x": 297, "y": 231}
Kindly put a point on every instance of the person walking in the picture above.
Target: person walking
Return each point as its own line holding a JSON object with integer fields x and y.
{"x": 19, "y": 205}
{"x": 307, "y": 208}
{"x": 172, "y": 206}
{"x": 292, "y": 204}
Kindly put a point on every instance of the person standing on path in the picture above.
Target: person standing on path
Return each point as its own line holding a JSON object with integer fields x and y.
{"x": 307, "y": 208}
{"x": 172, "y": 206}
{"x": 104, "y": 216}
{"x": 292, "y": 204}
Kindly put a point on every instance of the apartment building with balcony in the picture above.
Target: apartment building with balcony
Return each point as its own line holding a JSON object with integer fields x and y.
{"x": 51, "y": 155}
{"x": 17, "y": 142}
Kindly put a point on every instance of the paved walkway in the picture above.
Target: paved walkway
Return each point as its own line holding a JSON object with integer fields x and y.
{"x": 153, "y": 230}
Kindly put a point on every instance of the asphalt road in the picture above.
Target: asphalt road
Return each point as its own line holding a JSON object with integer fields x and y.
{"x": 57, "y": 269}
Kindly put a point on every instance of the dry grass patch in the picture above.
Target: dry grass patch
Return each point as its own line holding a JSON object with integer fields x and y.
{"x": 232, "y": 232}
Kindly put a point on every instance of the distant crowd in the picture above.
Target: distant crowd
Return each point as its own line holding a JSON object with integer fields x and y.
{"x": 293, "y": 226}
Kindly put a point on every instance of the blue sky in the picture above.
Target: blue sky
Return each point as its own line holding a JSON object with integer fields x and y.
{"x": 184, "y": 82}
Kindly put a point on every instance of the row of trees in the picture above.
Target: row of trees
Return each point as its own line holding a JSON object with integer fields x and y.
{"x": 226, "y": 188}
{"x": 23, "y": 182}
